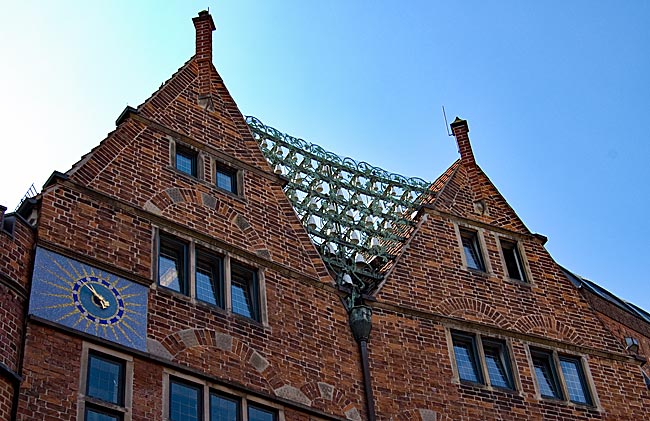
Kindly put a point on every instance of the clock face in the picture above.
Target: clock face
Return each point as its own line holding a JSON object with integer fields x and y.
{"x": 88, "y": 299}
{"x": 98, "y": 300}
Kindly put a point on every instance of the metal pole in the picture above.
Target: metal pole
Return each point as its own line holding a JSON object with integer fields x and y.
{"x": 370, "y": 401}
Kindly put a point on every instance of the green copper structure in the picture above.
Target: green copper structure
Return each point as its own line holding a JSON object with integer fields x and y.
{"x": 357, "y": 215}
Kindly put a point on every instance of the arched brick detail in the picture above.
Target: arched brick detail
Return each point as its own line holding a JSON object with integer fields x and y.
{"x": 180, "y": 341}
{"x": 166, "y": 198}
{"x": 245, "y": 227}
{"x": 474, "y": 310}
{"x": 419, "y": 414}
{"x": 318, "y": 392}
{"x": 547, "y": 326}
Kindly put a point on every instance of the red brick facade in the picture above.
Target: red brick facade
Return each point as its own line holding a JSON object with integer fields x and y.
{"x": 299, "y": 357}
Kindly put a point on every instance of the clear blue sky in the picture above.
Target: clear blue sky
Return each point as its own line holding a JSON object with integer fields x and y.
{"x": 557, "y": 95}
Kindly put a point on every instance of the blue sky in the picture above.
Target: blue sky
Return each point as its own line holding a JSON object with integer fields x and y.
{"x": 556, "y": 93}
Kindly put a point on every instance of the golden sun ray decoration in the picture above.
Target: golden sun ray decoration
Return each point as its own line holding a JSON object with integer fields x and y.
{"x": 90, "y": 300}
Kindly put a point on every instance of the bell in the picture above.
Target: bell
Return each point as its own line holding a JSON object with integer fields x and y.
{"x": 359, "y": 258}
{"x": 311, "y": 222}
{"x": 313, "y": 203}
{"x": 319, "y": 187}
{"x": 350, "y": 213}
{"x": 354, "y": 237}
{"x": 374, "y": 242}
{"x": 347, "y": 279}
{"x": 279, "y": 169}
{"x": 340, "y": 194}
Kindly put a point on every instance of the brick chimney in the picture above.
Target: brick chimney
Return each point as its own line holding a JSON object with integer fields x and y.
{"x": 204, "y": 26}
{"x": 460, "y": 130}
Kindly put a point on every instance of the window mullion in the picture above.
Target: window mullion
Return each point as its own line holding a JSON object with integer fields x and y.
{"x": 191, "y": 263}
{"x": 480, "y": 360}
{"x": 560, "y": 377}
{"x": 206, "y": 403}
{"x": 244, "y": 410}
{"x": 227, "y": 283}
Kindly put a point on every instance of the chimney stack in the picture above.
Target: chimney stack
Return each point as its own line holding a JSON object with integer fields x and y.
{"x": 204, "y": 26}
{"x": 460, "y": 129}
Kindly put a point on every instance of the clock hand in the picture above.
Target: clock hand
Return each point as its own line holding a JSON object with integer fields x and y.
{"x": 102, "y": 301}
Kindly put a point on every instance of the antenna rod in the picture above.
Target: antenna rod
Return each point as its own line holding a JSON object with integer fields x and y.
{"x": 446, "y": 124}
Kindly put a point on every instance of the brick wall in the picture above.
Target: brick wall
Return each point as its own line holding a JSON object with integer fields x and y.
{"x": 51, "y": 375}
{"x": 107, "y": 211}
{"x": 6, "y": 397}
{"x": 15, "y": 263}
{"x": 114, "y": 199}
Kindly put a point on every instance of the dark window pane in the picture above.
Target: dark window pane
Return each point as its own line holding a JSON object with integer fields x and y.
{"x": 244, "y": 291}
{"x": 546, "y": 378}
{"x": 575, "y": 380}
{"x": 472, "y": 250}
{"x": 171, "y": 265}
{"x": 105, "y": 379}
{"x": 186, "y": 162}
{"x": 465, "y": 352}
{"x": 260, "y": 414}
{"x": 208, "y": 280}
{"x": 97, "y": 415}
{"x": 184, "y": 402}
{"x": 496, "y": 360}
{"x": 513, "y": 261}
{"x": 223, "y": 408}
{"x": 227, "y": 180}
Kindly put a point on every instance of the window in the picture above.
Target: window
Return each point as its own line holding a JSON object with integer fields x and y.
{"x": 224, "y": 408}
{"x": 185, "y": 160}
{"x": 514, "y": 264}
{"x": 172, "y": 264}
{"x": 95, "y": 414}
{"x": 546, "y": 374}
{"x": 226, "y": 178}
{"x": 209, "y": 277}
{"x": 574, "y": 377}
{"x": 244, "y": 291}
{"x": 569, "y": 381}
{"x": 472, "y": 249}
{"x": 106, "y": 379}
{"x": 185, "y": 403}
{"x": 256, "y": 413}
{"x": 482, "y": 360}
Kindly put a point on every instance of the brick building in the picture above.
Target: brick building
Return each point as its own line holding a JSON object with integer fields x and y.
{"x": 198, "y": 264}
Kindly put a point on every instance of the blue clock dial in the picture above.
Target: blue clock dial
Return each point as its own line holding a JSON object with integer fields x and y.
{"x": 88, "y": 299}
{"x": 98, "y": 300}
